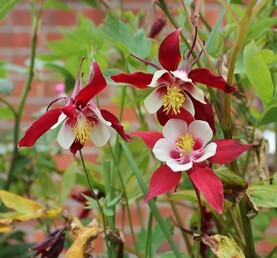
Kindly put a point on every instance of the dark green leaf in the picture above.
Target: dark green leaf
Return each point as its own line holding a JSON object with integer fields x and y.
{"x": 258, "y": 72}
{"x": 6, "y": 86}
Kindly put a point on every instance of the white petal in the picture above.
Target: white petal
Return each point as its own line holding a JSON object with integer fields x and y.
{"x": 66, "y": 136}
{"x": 208, "y": 152}
{"x": 162, "y": 149}
{"x": 173, "y": 129}
{"x": 62, "y": 117}
{"x": 176, "y": 167}
{"x": 196, "y": 93}
{"x": 201, "y": 130}
{"x": 100, "y": 134}
{"x": 182, "y": 75}
{"x": 97, "y": 111}
{"x": 188, "y": 105}
{"x": 157, "y": 75}
{"x": 153, "y": 102}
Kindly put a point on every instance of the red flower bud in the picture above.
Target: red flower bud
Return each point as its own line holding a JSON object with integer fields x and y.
{"x": 157, "y": 27}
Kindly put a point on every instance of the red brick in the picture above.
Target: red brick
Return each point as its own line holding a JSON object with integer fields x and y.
{"x": 15, "y": 40}
{"x": 95, "y": 15}
{"x": 58, "y": 18}
{"x": 19, "y": 59}
{"x": 50, "y": 36}
{"x": 21, "y": 17}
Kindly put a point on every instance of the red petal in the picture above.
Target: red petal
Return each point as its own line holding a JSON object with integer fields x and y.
{"x": 149, "y": 138}
{"x": 183, "y": 115}
{"x": 75, "y": 147}
{"x": 138, "y": 79}
{"x": 209, "y": 185}
{"x": 169, "y": 51}
{"x": 228, "y": 150}
{"x": 204, "y": 112}
{"x": 69, "y": 111}
{"x": 96, "y": 84}
{"x": 39, "y": 127}
{"x": 116, "y": 124}
{"x": 162, "y": 181}
{"x": 210, "y": 79}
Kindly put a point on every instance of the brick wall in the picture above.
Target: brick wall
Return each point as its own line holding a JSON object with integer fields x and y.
{"x": 15, "y": 40}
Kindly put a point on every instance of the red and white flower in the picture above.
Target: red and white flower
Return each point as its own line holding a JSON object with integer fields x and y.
{"x": 187, "y": 146}
{"x": 80, "y": 118}
{"x": 174, "y": 88}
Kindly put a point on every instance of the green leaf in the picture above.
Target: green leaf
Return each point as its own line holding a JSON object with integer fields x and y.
{"x": 91, "y": 3}
{"x": 68, "y": 181}
{"x": 5, "y": 113}
{"x": 222, "y": 246}
{"x": 7, "y": 7}
{"x": 172, "y": 255}
{"x": 258, "y": 72}
{"x": 6, "y": 86}
{"x": 234, "y": 186}
{"x": 56, "y": 4}
{"x": 114, "y": 201}
{"x": 108, "y": 211}
{"x": 47, "y": 186}
{"x": 263, "y": 195}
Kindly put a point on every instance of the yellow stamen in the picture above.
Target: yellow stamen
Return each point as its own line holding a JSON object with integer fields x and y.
{"x": 173, "y": 100}
{"x": 186, "y": 143}
{"x": 82, "y": 129}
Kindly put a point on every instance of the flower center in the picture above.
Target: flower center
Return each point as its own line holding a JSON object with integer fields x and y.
{"x": 186, "y": 143}
{"x": 173, "y": 100}
{"x": 82, "y": 129}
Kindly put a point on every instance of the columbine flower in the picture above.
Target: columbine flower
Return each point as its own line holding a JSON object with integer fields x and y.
{"x": 81, "y": 119}
{"x": 186, "y": 146}
{"x": 174, "y": 88}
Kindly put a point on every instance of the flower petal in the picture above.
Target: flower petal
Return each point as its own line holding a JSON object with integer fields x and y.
{"x": 138, "y": 79}
{"x": 173, "y": 129}
{"x": 201, "y": 130}
{"x": 169, "y": 51}
{"x": 209, "y": 185}
{"x": 182, "y": 75}
{"x": 153, "y": 102}
{"x": 204, "y": 112}
{"x": 69, "y": 111}
{"x": 95, "y": 85}
{"x": 228, "y": 150}
{"x": 66, "y": 135}
{"x": 207, "y": 152}
{"x": 188, "y": 104}
{"x": 100, "y": 134}
{"x": 210, "y": 79}
{"x": 149, "y": 138}
{"x": 62, "y": 117}
{"x": 183, "y": 115}
{"x": 39, "y": 127}
{"x": 157, "y": 79}
{"x": 162, "y": 181}
{"x": 162, "y": 150}
{"x": 195, "y": 92}
{"x": 115, "y": 124}
{"x": 177, "y": 167}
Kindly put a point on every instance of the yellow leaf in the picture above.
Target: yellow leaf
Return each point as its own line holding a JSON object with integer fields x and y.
{"x": 5, "y": 226}
{"x": 85, "y": 238}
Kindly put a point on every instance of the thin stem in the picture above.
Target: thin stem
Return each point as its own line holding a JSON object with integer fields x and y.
{"x": 235, "y": 224}
{"x": 96, "y": 198}
{"x": 23, "y": 98}
{"x": 9, "y": 106}
{"x": 126, "y": 199}
{"x": 180, "y": 223}
{"x": 148, "y": 249}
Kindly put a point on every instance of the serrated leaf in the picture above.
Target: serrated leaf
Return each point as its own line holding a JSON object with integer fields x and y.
{"x": 263, "y": 195}
{"x": 68, "y": 181}
{"x": 6, "y": 86}
{"x": 258, "y": 72}
{"x": 7, "y": 7}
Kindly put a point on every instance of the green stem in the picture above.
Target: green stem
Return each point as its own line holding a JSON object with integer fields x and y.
{"x": 95, "y": 198}
{"x": 151, "y": 203}
{"x": 148, "y": 249}
{"x": 22, "y": 102}
{"x": 126, "y": 200}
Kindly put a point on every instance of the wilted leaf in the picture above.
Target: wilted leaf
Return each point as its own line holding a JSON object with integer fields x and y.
{"x": 263, "y": 195}
{"x": 222, "y": 246}
{"x": 258, "y": 72}
{"x": 234, "y": 186}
